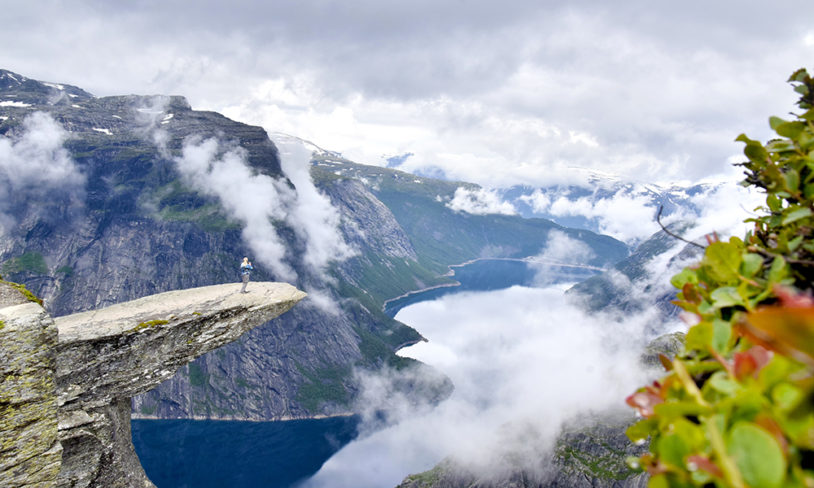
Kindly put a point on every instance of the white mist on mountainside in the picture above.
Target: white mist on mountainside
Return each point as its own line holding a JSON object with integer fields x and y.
{"x": 254, "y": 199}
{"x": 524, "y": 362}
{"x": 34, "y": 162}
{"x": 310, "y": 212}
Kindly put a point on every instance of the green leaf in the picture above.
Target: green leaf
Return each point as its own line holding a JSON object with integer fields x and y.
{"x": 679, "y": 409}
{"x": 721, "y": 382}
{"x": 757, "y": 455}
{"x": 672, "y": 449}
{"x": 780, "y": 145}
{"x": 774, "y": 203}
{"x": 659, "y": 481}
{"x": 779, "y": 271}
{"x": 795, "y": 215}
{"x": 726, "y": 296}
{"x": 799, "y": 76}
{"x": 723, "y": 260}
{"x": 792, "y": 180}
{"x": 751, "y": 264}
{"x": 775, "y": 122}
{"x": 685, "y": 276}
{"x": 795, "y": 243}
{"x": 721, "y": 335}
{"x": 756, "y": 152}
{"x": 786, "y": 396}
{"x": 790, "y": 129}
{"x": 641, "y": 430}
{"x": 691, "y": 433}
{"x": 744, "y": 138}
{"x": 699, "y": 337}
{"x": 775, "y": 372}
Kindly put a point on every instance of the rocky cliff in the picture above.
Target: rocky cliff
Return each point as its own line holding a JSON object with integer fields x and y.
{"x": 30, "y": 453}
{"x": 68, "y": 383}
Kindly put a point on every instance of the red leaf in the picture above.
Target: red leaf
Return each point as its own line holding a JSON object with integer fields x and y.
{"x": 704, "y": 464}
{"x": 790, "y": 298}
{"x": 643, "y": 402}
{"x": 750, "y": 362}
{"x": 691, "y": 294}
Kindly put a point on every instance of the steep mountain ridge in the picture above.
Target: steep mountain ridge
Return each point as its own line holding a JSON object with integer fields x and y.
{"x": 131, "y": 225}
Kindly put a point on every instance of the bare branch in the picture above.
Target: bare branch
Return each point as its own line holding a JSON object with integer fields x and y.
{"x": 658, "y": 220}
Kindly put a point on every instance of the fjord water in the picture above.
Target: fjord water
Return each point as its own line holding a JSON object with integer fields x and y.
{"x": 492, "y": 274}
{"x": 203, "y": 454}
{"x": 213, "y": 453}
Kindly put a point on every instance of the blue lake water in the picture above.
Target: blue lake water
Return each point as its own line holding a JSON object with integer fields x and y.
{"x": 217, "y": 453}
{"x": 492, "y": 274}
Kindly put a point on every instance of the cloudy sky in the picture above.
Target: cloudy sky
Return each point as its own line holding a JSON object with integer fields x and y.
{"x": 492, "y": 92}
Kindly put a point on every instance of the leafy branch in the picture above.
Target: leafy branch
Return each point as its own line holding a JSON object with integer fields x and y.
{"x": 736, "y": 407}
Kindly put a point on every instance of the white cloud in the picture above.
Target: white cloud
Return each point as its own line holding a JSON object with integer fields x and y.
{"x": 492, "y": 96}
{"x": 626, "y": 215}
{"x": 254, "y": 199}
{"x": 559, "y": 249}
{"x": 34, "y": 161}
{"x": 311, "y": 214}
{"x": 724, "y": 208}
{"x": 537, "y": 200}
{"x": 36, "y": 156}
{"x": 480, "y": 201}
{"x": 519, "y": 375}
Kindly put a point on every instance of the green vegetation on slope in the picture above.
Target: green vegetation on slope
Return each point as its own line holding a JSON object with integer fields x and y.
{"x": 30, "y": 261}
{"x": 325, "y": 385}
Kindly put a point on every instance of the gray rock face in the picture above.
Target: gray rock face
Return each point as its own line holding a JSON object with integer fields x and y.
{"x": 85, "y": 376}
{"x": 29, "y": 450}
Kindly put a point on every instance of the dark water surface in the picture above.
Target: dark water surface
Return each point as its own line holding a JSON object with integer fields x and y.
{"x": 217, "y": 453}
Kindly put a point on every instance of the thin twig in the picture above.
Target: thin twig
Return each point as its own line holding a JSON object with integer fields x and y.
{"x": 658, "y": 219}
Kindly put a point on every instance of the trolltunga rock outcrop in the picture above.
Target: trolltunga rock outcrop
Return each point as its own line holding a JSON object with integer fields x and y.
{"x": 85, "y": 379}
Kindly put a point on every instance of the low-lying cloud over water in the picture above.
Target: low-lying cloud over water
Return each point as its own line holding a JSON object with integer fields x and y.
{"x": 524, "y": 362}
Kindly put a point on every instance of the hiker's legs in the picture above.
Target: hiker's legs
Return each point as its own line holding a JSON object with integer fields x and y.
{"x": 245, "y": 282}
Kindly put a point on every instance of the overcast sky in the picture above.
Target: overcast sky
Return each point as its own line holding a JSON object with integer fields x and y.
{"x": 497, "y": 93}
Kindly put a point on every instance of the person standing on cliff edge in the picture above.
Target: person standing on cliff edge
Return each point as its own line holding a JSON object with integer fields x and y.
{"x": 245, "y": 272}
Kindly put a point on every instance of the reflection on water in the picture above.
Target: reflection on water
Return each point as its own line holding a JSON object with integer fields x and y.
{"x": 208, "y": 453}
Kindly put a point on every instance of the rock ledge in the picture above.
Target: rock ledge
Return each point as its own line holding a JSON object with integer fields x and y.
{"x": 99, "y": 360}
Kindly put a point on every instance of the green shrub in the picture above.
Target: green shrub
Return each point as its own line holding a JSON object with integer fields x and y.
{"x": 735, "y": 408}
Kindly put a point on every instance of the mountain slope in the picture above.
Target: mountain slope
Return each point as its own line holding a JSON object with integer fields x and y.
{"x": 121, "y": 219}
